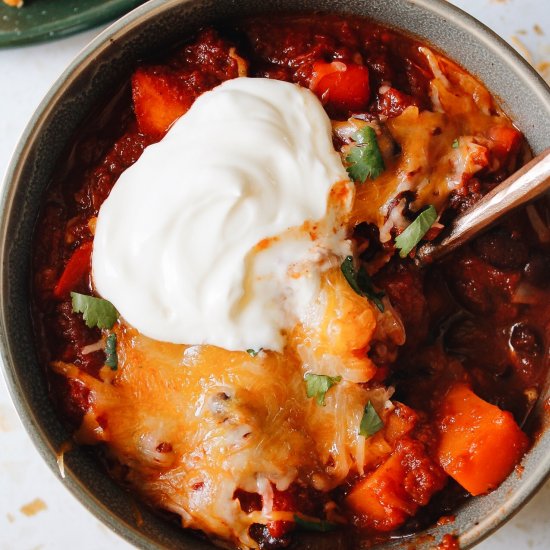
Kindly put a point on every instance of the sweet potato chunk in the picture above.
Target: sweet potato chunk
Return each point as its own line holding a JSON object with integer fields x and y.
{"x": 162, "y": 93}
{"x": 385, "y": 498}
{"x": 479, "y": 443}
{"x": 158, "y": 101}
{"x": 401, "y": 422}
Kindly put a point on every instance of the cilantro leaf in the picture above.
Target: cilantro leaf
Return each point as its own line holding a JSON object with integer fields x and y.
{"x": 414, "y": 233}
{"x": 364, "y": 159}
{"x": 252, "y": 352}
{"x": 95, "y": 311}
{"x": 321, "y": 526}
{"x": 361, "y": 283}
{"x": 317, "y": 385}
{"x": 110, "y": 352}
{"x": 455, "y": 144}
{"x": 371, "y": 423}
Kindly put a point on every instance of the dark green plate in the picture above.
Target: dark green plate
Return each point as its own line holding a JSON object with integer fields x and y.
{"x": 40, "y": 20}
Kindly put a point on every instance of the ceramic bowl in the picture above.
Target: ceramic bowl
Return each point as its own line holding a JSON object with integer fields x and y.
{"x": 90, "y": 79}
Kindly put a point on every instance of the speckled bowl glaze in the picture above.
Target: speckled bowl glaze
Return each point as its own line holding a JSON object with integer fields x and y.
{"x": 91, "y": 78}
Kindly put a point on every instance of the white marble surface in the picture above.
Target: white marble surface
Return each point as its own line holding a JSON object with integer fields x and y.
{"x": 25, "y": 76}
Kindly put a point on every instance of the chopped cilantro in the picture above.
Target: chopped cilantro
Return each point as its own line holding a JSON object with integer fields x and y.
{"x": 364, "y": 159}
{"x": 317, "y": 385}
{"x": 252, "y": 352}
{"x": 414, "y": 233}
{"x": 361, "y": 283}
{"x": 455, "y": 144}
{"x": 110, "y": 352}
{"x": 371, "y": 422}
{"x": 321, "y": 525}
{"x": 95, "y": 311}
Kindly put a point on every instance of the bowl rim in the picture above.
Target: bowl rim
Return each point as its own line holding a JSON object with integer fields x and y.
{"x": 100, "y": 43}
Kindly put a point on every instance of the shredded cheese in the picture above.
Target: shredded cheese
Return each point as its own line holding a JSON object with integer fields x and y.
{"x": 196, "y": 423}
{"x": 428, "y": 165}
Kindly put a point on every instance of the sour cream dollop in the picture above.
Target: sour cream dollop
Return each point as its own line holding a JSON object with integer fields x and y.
{"x": 219, "y": 233}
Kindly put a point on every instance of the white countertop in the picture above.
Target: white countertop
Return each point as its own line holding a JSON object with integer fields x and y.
{"x": 59, "y": 521}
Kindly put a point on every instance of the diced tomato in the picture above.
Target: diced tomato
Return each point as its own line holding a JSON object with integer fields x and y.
{"x": 77, "y": 266}
{"x": 479, "y": 443}
{"x": 506, "y": 139}
{"x": 322, "y": 69}
{"x": 386, "y": 497}
{"x": 342, "y": 86}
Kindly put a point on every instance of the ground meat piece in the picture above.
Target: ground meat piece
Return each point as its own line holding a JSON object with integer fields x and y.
{"x": 480, "y": 288}
{"x": 465, "y": 197}
{"x": 393, "y": 102}
{"x": 99, "y": 183}
{"x": 72, "y": 399}
{"x": 501, "y": 250}
{"x": 209, "y": 53}
{"x": 403, "y": 284}
{"x": 423, "y": 476}
{"x": 73, "y": 336}
{"x": 537, "y": 270}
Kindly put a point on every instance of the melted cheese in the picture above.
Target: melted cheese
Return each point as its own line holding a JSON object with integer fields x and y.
{"x": 229, "y": 421}
{"x": 428, "y": 165}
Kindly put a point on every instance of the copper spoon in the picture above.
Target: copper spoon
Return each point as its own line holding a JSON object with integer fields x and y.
{"x": 525, "y": 185}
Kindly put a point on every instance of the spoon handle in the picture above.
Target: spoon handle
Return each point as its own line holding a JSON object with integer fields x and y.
{"x": 525, "y": 185}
